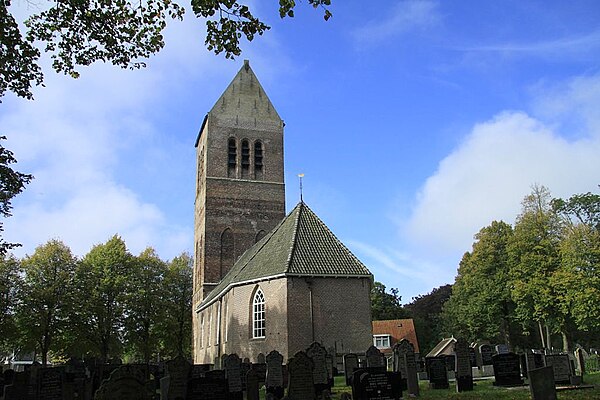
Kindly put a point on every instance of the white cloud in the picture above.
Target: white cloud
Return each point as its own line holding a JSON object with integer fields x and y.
{"x": 405, "y": 17}
{"x": 486, "y": 177}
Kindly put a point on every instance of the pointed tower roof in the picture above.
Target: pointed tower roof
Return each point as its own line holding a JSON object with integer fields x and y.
{"x": 301, "y": 245}
{"x": 244, "y": 104}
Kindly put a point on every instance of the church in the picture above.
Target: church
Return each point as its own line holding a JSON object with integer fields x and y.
{"x": 264, "y": 280}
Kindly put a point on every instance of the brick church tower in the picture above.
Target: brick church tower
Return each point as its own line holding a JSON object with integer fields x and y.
{"x": 240, "y": 190}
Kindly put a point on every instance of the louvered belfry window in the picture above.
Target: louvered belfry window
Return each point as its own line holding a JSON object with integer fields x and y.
{"x": 231, "y": 158}
{"x": 258, "y": 315}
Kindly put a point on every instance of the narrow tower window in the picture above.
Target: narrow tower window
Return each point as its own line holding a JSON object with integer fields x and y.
{"x": 227, "y": 250}
{"x": 245, "y": 159}
{"x": 258, "y": 161}
{"x": 232, "y": 158}
{"x": 258, "y": 315}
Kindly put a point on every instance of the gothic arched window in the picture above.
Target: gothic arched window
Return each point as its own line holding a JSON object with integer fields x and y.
{"x": 258, "y": 315}
{"x": 231, "y": 158}
{"x": 258, "y": 160}
{"x": 245, "y": 159}
{"x": 227, "y": 251}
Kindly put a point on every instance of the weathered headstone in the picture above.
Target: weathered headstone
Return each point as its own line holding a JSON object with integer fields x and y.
{"x": 51, "y": 383}
{"x": 412, "y": 380}
{"x": 561, "y": 366}
{"x": 260, "y": 358}
{"x": 252, "y": 385}
{"x": 580, "y": 362}
{"x": 301, "y": 385}
{"x": 437, "y": 372}
{"x": 472, "y": 357}
{"x": 541, "y": 384}
{"x": 502, "y": 349}
{"x": 178, "y": 371}
{"x": 125, "y": 382}
{"x": 350, "y": 365}
{"x": 233, "y": 373}
{"x": 199, "y": 370}
{"x": 317, "y": 354}
{"x": 210, "y": 387}
{"x": 380, "y": 386}
{"x": 464, "y": 375}
{"x": 486, "y": 352}
{"x": 274, "y": 378}
{"x": 402, "y": 348}
{"x": 507, "y": 369}
{"x": 374, "y": 357}
{"x": 450, "y": 360}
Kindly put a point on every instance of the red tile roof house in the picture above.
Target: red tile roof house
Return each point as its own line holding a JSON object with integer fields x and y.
{"x": 389, "y": 332}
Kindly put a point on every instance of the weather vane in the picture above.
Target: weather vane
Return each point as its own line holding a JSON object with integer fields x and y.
{"x": 300, "y": 176}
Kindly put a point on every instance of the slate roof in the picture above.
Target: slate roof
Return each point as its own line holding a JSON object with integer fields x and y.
{"x": 301, "y": 245}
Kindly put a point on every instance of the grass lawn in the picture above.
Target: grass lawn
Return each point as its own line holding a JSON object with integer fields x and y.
{"x": 486, "y": 390}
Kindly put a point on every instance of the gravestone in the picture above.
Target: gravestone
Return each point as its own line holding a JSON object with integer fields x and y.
{"x": 274, "y": 378}
{"x": 534, "y": 360}
{"x": 561, "y": 366}
{"x": 261, "y": 370}
{"x": 317, "y": 354}
{"x": 374, "y": 357}
{"x": 412, "y": 380}
{"x": 472, "y": 357}
{"x": 502, "y": 349}
{"x": 19, "y": 388}
{"x": 541, "y": 384}
{"x": 350, "y": 365}
{"x": 245, "y": 367}
{"x": 50, "y": 383}
{"x": 178, "y": 372}
{"x": 233, "y": 374}
{"x": 379, "y": 386}
{"x": 464, "y": 375}
{"x": 252, "y": 385}
{"x": 402, "y": 348}
{"x": 507, "y": 370}
{"x": 437, "y": 372}
{"x": 260, "y": 358}
{"x": 210, "y": 387}
{"x": 450, "y": 360}
{"x": 199, "y": 370}
{"x": 125, "y": 382}
{"x": 580, "y": 362}
{"x": 301, "y": 385}
{"x": 486, "y": 352}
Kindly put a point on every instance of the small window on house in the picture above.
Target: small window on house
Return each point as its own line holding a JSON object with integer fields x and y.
{"x": 231, "y": 158}
{"x": 258, "y": 315}
{"x": 381, "y": 341}
{"x": 258, "y": 161}
{"x": 245, "y": 159}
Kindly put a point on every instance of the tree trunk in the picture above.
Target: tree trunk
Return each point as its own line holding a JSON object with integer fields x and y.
{"x": 565, "y": 340}
{"x": 548, "y": 338}
{"x": 542, "y": 338}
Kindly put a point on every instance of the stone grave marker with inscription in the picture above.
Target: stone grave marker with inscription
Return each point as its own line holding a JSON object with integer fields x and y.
{"x": 486, "y": 352}
{"x": 412, "y": 379}
{"x": 402, "y": 348}
{"x": 178, "y": 371}
{"x": 379, "y": 386}
{"x": 374, "y": 357}
{"x": 245, "y": 367}
{"x": 301, "y": 385}
{"x": 437, "y": 372}
{"x": 233, "y": 374}
{"x": 502, "y": 349}
{"x": 350, "y": 364}
{"x": 125, "y": 382}
{"x": 317, "y": 354}
{"x": 274, "y": 378}
{"x": 507, "y": 370}
{"x": 561, "y": 366}
{"x": 19, "y": 389}
{"x": 472, "y": 357}
{"x": 252, "y": 385}
{"x": 464, "y": 374}
{"x": 210, "y": 387}
{"x": 51, "y": 383}
{"x": 541, "y": 384}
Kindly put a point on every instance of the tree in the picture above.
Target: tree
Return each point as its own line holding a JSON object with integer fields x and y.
{"x": 386, "y": 305}
{"x": 120, "y": 32}
{"x": 145, "y": 304}
{"x": 580, "y": 208}
{"x": 426, "y": 312}
{"x": 10, "y": 281}
{"x": 11, "y": 184}
{"x": 480, "y": 306}
{"x": 102, "y": 280}
{"x": 176, "y": 326}
{"x": 46, "y": 295}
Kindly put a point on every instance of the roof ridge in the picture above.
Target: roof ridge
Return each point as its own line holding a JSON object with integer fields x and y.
{"x": 295, "y": 236}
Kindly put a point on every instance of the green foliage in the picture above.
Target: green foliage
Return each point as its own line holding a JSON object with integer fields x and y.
{"x": 386, "y": 305}
{"x": 122, "y": 32}
{"x": 11, "y": 184}
{"x": 583, "y": 208}
{"x": 46, "y": 296}
{"x": 10, "y": 281}
{"x": 426, "y": 312}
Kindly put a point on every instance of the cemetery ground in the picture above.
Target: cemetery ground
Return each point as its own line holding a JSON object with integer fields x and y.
{"x": 484, "y": 389}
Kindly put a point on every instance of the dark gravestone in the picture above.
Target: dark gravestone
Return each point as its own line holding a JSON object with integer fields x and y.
{"x": 51, "y": 383}
{"x": 178, "y": 371}
{"x": 260, "y": 358}
{"x": 252, "y": 385}
{"x": 19, "y": 389}
{"x": 199, "y": 370}
{"x": 318, "y": 354}
{"x": 486, "y": 352}
{"x": 261, "y": 370}
{"x": 274, "y": 379}
{"x": 412, "y": 379}
{"x": 541, "y": 384}
{"x": 209, "y": 387}
{"x": 502, "y": 349}
{"x": 464, "y": 374}
{"x": 562, "y": 367}
{"x": 233, "y": 373}
{"x": 402, "y": 348}
{"x": 472, "y": 357}
{"x": 350, "y": 365}
{"x": 245, "y": 367}
{"x": 374, "y": 358}
{"x": 125, "y": 382}
{"x": 507, "y": 369}
{"x": 380, "y": 386}
{"x": 301, "y": 386}
{"x": 437, "y": 372}
{"x": 450, "y": 361}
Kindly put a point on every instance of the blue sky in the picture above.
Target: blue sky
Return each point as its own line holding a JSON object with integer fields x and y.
{"x": 416, "y": 123}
